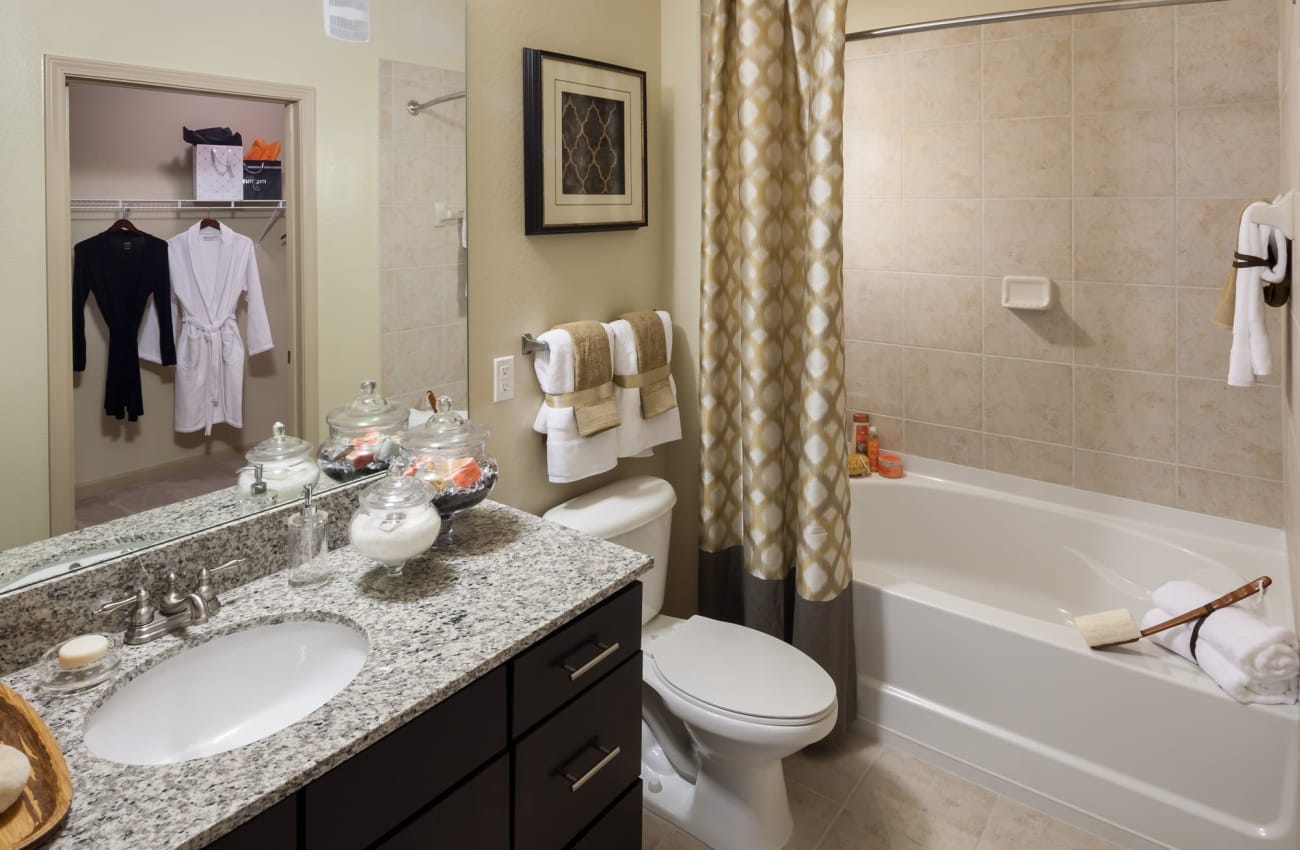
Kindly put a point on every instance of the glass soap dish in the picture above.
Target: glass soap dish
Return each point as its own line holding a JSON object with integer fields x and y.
{"x": 58, "y": 680}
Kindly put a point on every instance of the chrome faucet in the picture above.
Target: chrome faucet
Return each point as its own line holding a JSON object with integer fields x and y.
{"x": 175, "y": 610}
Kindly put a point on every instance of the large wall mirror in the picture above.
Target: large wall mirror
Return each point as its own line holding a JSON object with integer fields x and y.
{"x": 143, "y": 452}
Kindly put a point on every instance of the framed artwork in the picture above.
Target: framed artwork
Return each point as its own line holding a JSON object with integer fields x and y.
{"x": 584, "y": 145}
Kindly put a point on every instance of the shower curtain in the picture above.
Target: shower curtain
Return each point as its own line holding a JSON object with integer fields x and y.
{"x": 774, "y": 498}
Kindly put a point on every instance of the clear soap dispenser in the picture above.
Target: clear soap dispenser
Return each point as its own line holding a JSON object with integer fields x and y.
{"x": 308, "y": 544}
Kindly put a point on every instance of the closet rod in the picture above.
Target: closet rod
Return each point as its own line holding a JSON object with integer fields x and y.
{"x": 110, "y": 204}
{"x": 1022, "y": 15}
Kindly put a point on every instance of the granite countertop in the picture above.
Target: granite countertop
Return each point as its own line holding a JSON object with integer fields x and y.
{"x": 448, "y": 620}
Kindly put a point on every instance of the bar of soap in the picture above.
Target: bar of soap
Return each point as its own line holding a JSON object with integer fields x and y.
{"x": 82, "y": 650}
{"x": 15, "y": 770}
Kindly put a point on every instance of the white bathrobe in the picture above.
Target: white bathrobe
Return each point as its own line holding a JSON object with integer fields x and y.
{"x": 210, "y": 269}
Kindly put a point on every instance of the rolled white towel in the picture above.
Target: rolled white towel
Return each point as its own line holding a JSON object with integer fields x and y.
{"x": 15, "y": 770}
{"x": 1232, "y": 679}
{"x": 1263, "y": 652}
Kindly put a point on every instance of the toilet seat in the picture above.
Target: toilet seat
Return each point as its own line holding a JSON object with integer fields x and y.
{"x": 742, "y": 673}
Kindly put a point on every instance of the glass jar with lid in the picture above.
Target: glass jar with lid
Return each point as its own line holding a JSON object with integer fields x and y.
{"x": 287, "y": 465}
{"x": 449, "y": 453}
{"x": 396, "y": 520}
{"x": 362, "y": 435}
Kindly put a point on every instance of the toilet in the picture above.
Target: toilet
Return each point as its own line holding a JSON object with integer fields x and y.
{"x": 721, "y": 704}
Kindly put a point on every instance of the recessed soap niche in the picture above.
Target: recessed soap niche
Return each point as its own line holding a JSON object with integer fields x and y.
{"x": 1023, "y": 292}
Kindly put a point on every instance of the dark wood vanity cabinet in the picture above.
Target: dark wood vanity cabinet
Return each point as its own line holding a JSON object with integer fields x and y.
{"x": 542, "y": 753}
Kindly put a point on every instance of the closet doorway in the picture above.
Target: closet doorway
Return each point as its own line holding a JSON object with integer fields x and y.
{"x": 114, "y": 150}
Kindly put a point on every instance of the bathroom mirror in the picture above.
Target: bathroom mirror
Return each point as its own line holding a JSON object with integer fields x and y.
{"x": 132, "y": 486}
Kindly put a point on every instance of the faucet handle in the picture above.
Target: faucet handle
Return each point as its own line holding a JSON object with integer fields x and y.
{"x": 206, "y": 590}
{"x": 173, "y": 601}
{"x": 141, "y": 614}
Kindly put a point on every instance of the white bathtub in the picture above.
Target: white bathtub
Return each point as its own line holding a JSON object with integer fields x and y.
{"x": 965, "y": 585}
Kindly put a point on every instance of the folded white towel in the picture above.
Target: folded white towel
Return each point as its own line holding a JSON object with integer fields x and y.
{"x": 1263, "y": 651}
{"x": 569, "y": 456}
{"x": 636, "y": 435}
{"x": 1251, "y": 353}
{"x": 1234, "y": 681}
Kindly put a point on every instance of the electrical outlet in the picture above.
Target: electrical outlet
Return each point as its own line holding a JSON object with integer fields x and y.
{"x": 503, "y": 378}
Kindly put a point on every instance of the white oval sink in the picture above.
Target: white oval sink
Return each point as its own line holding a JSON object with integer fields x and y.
{"x": 228, "y": 692}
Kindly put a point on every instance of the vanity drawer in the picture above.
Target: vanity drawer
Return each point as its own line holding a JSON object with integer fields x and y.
{"x": 567, "y": 662}
{"x": 569, "y": 769}
{"x": 275, "y": 827}
{"x": 378, "y": 788}
{"x": 476, "y": 815}
{"x": 620, "y": 826}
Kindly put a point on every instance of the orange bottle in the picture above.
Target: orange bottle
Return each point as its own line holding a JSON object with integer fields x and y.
{"x": 861, "y": 427}
{"x": 873, "y": 448}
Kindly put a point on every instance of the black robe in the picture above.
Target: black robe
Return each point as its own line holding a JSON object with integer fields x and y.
{"x": 122, "y": 269}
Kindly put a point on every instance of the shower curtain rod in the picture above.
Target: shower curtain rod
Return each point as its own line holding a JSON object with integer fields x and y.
{"x": 1022, "y": 15}
{"x": 415, "y": 107}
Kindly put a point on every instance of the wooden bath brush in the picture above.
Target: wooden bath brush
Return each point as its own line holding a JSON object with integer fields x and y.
{"x": 1114, "y": 628}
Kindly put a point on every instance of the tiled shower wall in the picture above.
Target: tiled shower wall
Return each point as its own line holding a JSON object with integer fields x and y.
{"x": 423, "y": 318}
{"x": 1111, "y": 152}
{"x": 1290, "y": 72}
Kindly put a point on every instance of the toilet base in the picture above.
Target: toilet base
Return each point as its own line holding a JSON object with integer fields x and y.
{"x": 732, "y": 805}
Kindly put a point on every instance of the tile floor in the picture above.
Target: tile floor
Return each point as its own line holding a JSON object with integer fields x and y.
{"x": 166, "y": 489}
{"x": 860, "y": 795}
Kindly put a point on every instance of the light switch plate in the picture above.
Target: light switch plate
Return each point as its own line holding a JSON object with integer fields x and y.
{"x": 503, "y": 378}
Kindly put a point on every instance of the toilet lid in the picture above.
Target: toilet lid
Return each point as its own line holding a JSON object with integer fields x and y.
{"x": 743, "y": 671}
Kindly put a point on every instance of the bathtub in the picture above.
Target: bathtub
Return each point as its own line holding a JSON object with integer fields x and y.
{"x": 965, "y": 583}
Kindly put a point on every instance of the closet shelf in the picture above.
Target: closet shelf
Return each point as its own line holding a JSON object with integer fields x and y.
{"x": 128, "y": 204}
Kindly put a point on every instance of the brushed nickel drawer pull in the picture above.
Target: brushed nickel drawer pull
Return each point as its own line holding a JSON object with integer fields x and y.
{"x": 607, "y": 649}
{"x": 578, "y": 782}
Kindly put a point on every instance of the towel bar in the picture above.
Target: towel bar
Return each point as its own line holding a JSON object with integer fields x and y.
{"x": 533, "y": 345}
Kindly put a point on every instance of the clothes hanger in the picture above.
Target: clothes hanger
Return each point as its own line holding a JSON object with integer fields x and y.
{"x": 210, "y": 222}
{"x": 123, "y": 225}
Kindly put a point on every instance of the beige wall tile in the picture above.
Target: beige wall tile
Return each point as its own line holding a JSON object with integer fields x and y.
{"x": 873, "y": 235}
{"x": 1124, "y": 326}
{"x": 943, "y": 388}
{"x": 1218, "y": 58}
{"x": 1231, "y": 7}
{"x": 1207, "y": 235}
{"x": 1130, "y": 67}
{"x": 1125, "y": 476}
{"x": 1124, "y": 240}
{"x": 942, "y": 160}
{"x": 947, "y": 37}
{"x": 873, "y": 305}
{"x": 1021, "y": 29}
{"x": 1130, "y": 413}
{"x": 891, "y": 433}
{"x": 1027, "y": 237}
{"x": 417, "y": 302}
{"x": 1035, "y": 334}
{"x": 862, "y": 48}
{"x": 942, "y": 236}
{"x": 1124, "y": 153}
{"x": 1230, "y": 429}
{"x": 954, "y": 445}
{"x": 1233, "y": 496}
{"x": 1121, "y": 18}
{"x": 1043, "y": 461}
{"x": 943, "y": 311}
{"x": 1027, "y": 158}
{"x": 873, "y": 92}
{"x": 1024, "y": 398}
{"x": 942, "y": 84}
{"x": 873, "y": 162}
{"x": 874, "y": 377}
{"x": 1027, "y": 77}
{"x": 1229, "y": 151}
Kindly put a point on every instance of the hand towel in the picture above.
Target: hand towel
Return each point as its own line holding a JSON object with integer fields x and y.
{"x": 1251, "y": 354}
{"x": 569, "y": 455}
{"x": 647, "y": 403}
{"x": 1264, "y": 652}
{"x": 1232, "y": 679}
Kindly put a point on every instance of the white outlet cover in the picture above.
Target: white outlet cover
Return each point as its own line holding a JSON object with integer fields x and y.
{"x": 503, "y": 378}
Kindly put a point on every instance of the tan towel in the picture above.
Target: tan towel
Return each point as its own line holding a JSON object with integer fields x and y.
{"x": 592, "y": 398}
{"x": 1226, "y": 307}
{"x": 652, "y": 364}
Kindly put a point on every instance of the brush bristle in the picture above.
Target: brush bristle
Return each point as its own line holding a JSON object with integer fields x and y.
{"x": 1107, "y": 628}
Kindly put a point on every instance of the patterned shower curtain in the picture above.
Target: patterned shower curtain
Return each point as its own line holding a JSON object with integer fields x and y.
{"x": 774, "y": 496}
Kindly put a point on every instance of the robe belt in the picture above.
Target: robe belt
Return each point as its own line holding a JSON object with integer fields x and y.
{"x": 641, "y": 379}
{"x": 212, "y": 341}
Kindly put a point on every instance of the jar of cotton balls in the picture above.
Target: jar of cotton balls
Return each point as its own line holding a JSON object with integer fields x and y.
{"x": 396, "y": 520}
{"x": 287, "y": 465}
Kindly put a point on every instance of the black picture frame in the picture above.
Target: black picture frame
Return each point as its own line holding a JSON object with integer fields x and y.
{"x": 542, "y": 213}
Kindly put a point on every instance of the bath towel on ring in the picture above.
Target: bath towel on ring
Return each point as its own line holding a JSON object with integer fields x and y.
{"x": 578, "y": 416}
{"x": 643, "y": 387}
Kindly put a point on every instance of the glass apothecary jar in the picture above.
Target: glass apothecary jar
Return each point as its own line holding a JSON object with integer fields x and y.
{"x": 362, "y": 435}
{"x": 396, "y": 520}
{"x": 449, "y": 453}
{"x": 287, "y": 465}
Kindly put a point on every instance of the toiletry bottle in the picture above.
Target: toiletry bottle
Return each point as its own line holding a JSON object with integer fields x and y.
{"x": 253, "y": 492}
{"x": 308, "y": 544}
{"x": 861, "y": 426}
{"x": 873, "y": 448}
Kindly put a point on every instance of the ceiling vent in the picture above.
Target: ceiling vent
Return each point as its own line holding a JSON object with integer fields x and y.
{"x": 348, "y": 20}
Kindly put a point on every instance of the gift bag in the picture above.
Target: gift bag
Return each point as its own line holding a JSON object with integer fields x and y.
{"x": 218, "y": 173}
{"x": 263, "y": 180}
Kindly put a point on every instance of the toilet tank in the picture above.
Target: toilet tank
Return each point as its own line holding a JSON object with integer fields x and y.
{"x": 637, "y": 513}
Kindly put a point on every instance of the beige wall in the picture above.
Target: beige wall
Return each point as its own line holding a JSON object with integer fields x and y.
{"x": 524, "y": 283}
{"x": 1112, "y": 153}
{"x": 126, "y": 143}
{"x": 1289, "y": 26}
{"x": 287, "y": 45}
